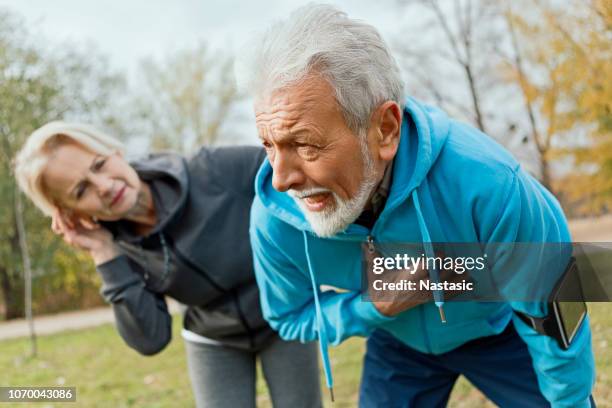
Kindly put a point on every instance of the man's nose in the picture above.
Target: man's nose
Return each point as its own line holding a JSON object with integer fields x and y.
{"x": 286, "y": 172}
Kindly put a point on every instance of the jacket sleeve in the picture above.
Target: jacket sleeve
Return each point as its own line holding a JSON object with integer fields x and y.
{"x": 287, "y": 297}
{"x": 527, "y": 213}
{"x": 141, "y": 316}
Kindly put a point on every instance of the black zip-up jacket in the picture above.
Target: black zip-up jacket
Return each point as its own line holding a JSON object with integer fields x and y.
{"x": 198, "y": 253}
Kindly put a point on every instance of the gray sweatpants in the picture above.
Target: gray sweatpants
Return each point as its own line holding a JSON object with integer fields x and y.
{"x": 223, "y": 377}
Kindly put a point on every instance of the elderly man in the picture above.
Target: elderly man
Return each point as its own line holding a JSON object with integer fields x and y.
{"x": 352, "y": 161}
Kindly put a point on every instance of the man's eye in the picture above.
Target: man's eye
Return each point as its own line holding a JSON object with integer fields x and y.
{"x": 307, "y": 150}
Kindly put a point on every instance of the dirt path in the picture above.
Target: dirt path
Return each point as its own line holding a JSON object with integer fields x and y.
{"x": 56, "y": 323}
{"x": 592, "y": 229}
{"x": 583, "y": 230}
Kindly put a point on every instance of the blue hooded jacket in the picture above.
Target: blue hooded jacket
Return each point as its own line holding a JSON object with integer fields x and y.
{"x": 451, "y": 183}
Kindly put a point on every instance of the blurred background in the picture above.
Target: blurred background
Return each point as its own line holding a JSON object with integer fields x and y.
{"x": 535, "y": 75}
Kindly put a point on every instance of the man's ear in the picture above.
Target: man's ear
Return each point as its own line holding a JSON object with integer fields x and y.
{"x": 387, "y": 122}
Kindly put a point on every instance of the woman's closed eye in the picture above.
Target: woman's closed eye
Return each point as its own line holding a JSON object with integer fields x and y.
{"x": 81, "y": 188}
{"x": 98, "y": 164}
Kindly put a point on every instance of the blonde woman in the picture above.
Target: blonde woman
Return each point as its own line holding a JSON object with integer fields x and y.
{"x": 167, "y": 225}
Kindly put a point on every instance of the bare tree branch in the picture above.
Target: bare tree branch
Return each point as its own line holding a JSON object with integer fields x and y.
{"x": 518, "y": 64}
{"x": 433, "y": 4}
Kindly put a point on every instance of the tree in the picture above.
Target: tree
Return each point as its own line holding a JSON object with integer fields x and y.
{"x": 454, "y": 67}
{"x": 534, "y": 67}
{"x": 37, "y": 87}
{"x": 27, "y": 269}
{"x": 588, "y": 39}
{"x": 561, "y": 65}
{"x": 187, "y": 98}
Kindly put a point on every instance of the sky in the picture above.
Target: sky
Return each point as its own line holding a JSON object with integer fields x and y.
{"x": 128, "y": 31}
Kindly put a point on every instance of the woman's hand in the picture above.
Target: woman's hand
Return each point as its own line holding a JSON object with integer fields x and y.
{"x": 85, "y": 234}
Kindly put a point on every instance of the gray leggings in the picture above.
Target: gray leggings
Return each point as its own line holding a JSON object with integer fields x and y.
{"x": 224, "y": 377}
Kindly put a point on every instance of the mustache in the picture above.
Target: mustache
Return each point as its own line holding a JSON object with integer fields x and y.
{"x": 308, "y": 192}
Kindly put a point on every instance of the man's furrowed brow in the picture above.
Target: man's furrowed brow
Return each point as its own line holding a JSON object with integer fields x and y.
{"x": 267, "y": 134}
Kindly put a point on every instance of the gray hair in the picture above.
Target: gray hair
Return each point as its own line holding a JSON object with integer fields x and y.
{"x": 350, "y": 54}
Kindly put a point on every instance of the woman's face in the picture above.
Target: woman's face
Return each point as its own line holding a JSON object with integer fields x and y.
{"x": 89, "y": 184}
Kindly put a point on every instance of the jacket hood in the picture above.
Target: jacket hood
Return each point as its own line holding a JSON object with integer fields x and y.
{"x": 423, "y": 135}
{"x": 167, "y": 175}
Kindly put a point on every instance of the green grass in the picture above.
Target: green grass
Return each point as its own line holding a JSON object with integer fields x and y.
{"x": 109, "y": 374}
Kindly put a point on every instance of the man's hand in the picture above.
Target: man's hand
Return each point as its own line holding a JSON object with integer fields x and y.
{"x": 393, "y": 302}
{"x": 85, "y": 234}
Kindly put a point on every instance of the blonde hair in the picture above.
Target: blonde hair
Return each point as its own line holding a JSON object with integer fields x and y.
{"x": 31, "y": 160}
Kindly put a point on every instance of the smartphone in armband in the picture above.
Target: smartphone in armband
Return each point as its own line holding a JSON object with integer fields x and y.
{"x": 566, "y": 309}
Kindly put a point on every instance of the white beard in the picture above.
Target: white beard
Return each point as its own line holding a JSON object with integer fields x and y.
{"x": 338, "y": 217}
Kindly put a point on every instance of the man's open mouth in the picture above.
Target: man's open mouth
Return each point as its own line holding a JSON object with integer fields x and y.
{"x": 317, "y": 202}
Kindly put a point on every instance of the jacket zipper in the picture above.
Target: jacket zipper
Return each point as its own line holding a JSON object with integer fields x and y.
{"x": 371, "y": 249}
{"x": 424, "y": 328}
{"x": 370, "y": 241}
